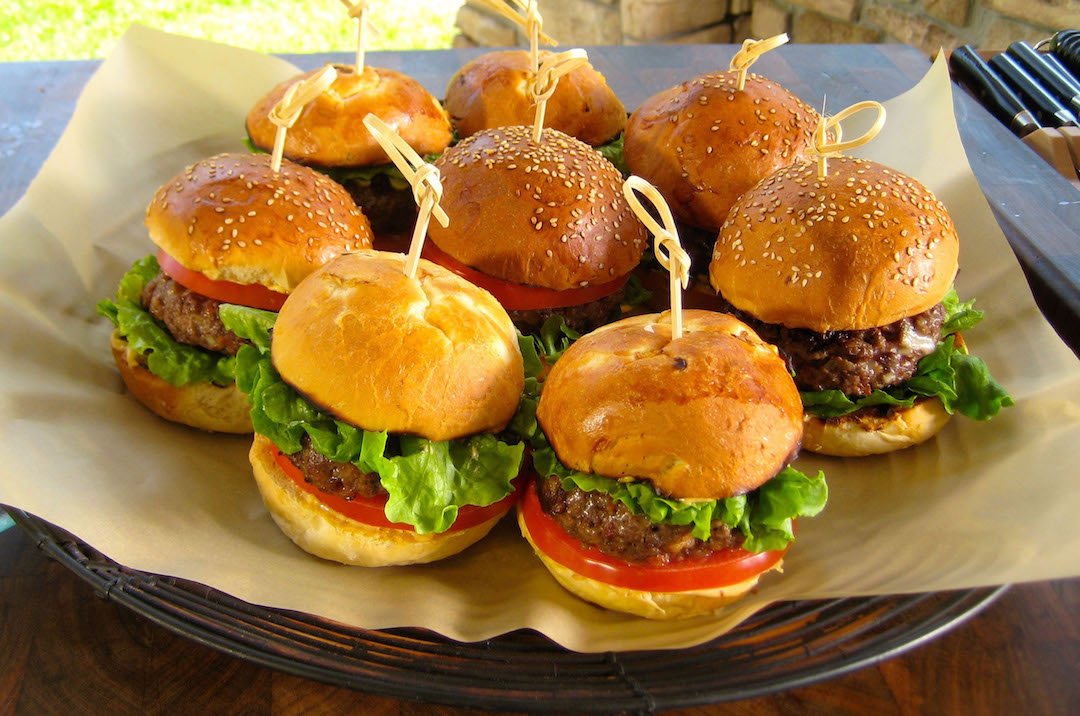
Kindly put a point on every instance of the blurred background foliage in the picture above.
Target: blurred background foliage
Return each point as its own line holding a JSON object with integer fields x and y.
{"x": 69, "y": 30}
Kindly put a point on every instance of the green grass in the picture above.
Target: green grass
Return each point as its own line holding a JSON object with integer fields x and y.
{"x": 68, "y": 29}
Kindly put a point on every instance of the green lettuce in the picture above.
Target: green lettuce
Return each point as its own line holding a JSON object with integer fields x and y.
{"x": 427, "y": 481}
{"x": 613, "y": 152}
{"x": 176, "y": 363}
{"x": 765, "y": 517}
{"x": 364, "y": 175}
{"x": 961, "y": 381}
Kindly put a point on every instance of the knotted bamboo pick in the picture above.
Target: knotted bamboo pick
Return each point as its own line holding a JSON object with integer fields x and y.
{"x": 750, "y": 52}
{"x": 357, "y": 11}
{"x": 544, "y": 82}
{"x": 669, "y": 252}
{"x": 531, "y": 23}
{"x": 287, "y": 111}
{"x": 829, "y": 128}
{"x": 424, "y": 179}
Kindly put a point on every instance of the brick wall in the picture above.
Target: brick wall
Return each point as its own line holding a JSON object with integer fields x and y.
{"x": 926, "y": 24}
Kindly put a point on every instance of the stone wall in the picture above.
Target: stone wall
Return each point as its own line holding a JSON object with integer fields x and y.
{"x": 926, "y": 24}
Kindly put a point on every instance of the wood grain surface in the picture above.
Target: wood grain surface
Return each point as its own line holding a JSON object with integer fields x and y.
{"x": 66, "y": 649}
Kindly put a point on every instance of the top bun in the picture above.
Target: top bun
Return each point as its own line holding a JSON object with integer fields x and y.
{"x": 492, "y": 91}
{"x": 861, "y": 248}
{"x": 330, "y": 131}
{"x": 550, "y": 214}
{"x": 432, "y": 356}
{"x": 708, "y": 416}
{"x": 704, "y": 142}
{"x": 231, "y": 218}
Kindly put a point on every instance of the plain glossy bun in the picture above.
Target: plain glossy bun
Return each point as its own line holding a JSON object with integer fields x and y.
{"x": 708, "y": 416}
{"x": 331, "y": 535}
{"x": 221, "y": 409}
{"x": 492, "y": 91}
{"x": 550, "y": 214}
{"x": 433, "y": 356}
{"x": 651, "y": 605}
{"x": 330, "y": 131}
{"x": 861, "y": 248}
{"x": 704, "y": 142}
{"x": 232, "y": 218}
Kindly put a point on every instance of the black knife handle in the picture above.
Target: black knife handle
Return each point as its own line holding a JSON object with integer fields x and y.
{"x": 1066, "y": 47}
{"x": 1064, "y": 86}
{"x": 1052, "y": 112}
{"x": 970, "y": 69}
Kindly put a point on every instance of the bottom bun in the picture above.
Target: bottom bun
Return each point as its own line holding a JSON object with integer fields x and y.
{"x": 326, "y": 533}
{"x": 219, "y": 409}
{"x": 867, "y": 432}
{"x": 651, "y": 605}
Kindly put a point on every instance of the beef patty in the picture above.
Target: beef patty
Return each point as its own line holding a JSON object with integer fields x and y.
{"x": 191, "y": 317}
{"x": 602, "y": 522}
{"x": 336, "y": 478}
{"x": 854, "y": 362}
{"x": 583, "y": 318}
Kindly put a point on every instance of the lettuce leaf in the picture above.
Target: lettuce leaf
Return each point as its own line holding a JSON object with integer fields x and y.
{"x": 427, "y": 481}
{"x": 364, "y": 175}
{"x": 961, "y": 381}
{"x": 176, "y": 363}
{"x": 613, "y": 152}
{"x": 765, "y": 517}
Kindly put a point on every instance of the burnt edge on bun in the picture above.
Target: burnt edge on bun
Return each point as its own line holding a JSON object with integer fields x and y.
{"x": 704, "y": 142}
{"x": 551, "y": 214}
{"x": 492, "y": 91}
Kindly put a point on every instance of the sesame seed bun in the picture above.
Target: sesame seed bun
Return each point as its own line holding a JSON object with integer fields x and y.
{"x": 231, "y": 218}
{"x": 550, "y": 214}
{"x": 704, "y": 142}
{"x": 219, "y": 409}
{"x": 330, "y": 131}
{"x": 863, "y": 247}
{"x": 651, "y": 605}
{"x": 709, "y": 415}
{"x": 432, "y": 356}
{"x": 326, "y": 533}
{"x": 492, "y": 91}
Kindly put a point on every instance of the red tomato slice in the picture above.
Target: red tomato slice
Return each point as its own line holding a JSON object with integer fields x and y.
{"x": 254, "y": 295}
{"x": 371, "y": 510}
{"x": 519, "y": 297}
{"x": 720, "y": 569}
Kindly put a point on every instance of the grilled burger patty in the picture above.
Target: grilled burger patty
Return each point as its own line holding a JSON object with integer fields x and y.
{"x": 336, "y": 478}
{"x": 583, "y": 318}
{"x": 602, "y": 522}
{"x": 853, "y": 362}
{"x": 190, "y": 317}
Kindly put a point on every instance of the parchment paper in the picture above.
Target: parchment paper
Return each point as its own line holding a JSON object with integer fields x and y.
{"x": 982, "y": 504}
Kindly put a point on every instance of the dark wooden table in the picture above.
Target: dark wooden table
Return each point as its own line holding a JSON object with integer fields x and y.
{"x": 66, "y": 649}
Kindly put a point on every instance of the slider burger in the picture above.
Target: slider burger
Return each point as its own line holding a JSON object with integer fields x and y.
{"x": 851, "y": 276}
{"x": 330, "y": 136}
{"x": 492, "y": 90}
{"x": 378, "y": 405}
{"x": 662, "y": 486}
{"x": 704, "y": 142}
{"x": 228, "y": 230}
{"x": 542, "y": 226}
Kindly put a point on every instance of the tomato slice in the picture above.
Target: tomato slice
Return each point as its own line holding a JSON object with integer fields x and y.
{"x": 253, "y": 295}
{"x": 519, "y": 297}
{"x": 720, "y": 569}
{"x": 371, "y": 510}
